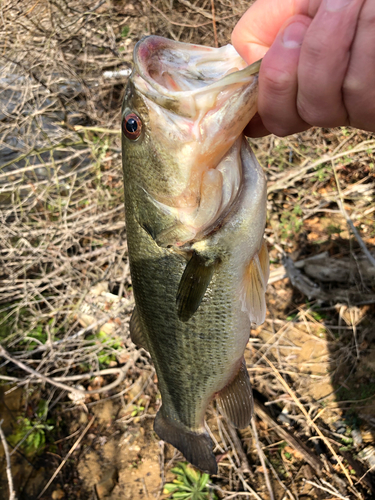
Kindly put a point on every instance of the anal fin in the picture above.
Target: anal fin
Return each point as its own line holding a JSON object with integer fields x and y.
{"x": 136, "y": 333}
{"x": 193, "y": 285}
{"x": 236, "y": 399}
{"x": 195, "y": 446}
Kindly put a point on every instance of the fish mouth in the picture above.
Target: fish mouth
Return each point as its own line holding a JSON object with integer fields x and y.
{"x": 187, "y": 78}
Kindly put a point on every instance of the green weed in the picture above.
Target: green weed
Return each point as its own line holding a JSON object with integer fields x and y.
{"x": 125, "y": 31}
{"x": 32, "y": 433}
{"x": 322, "y": 174}
{"x": 189, "y": 484}
{"x": 137, "y": 409}
{"x": 333, "y": 229}
{"x": 109, "y": 343}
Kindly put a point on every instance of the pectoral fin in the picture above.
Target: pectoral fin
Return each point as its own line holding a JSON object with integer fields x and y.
{"x": 236, "y": 399}
{"x": 193, "y": 285}
{"x": 253, "y": 289}
{"x": 136, "y": 333}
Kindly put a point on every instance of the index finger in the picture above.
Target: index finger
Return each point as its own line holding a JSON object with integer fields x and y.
{"x": 257, "y": 29}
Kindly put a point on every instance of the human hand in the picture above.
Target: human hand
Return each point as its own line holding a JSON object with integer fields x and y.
{"x": 318, "y": 67}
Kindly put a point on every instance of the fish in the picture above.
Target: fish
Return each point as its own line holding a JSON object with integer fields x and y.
{"x": 195, "y": 209}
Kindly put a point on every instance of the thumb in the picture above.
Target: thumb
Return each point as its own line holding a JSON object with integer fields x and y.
{"x": 259, "y": 26}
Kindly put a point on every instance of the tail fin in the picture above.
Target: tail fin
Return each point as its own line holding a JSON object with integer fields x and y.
{"x": 195, "y": 446}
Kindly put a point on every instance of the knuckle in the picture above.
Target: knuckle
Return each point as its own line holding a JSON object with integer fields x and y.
{"x": 281, "y": 130}
{"x": 276, "y": 81}
{"x": 306, "y": 111}
{"x": 317, "y": 113}
{"x": 358, "y": 96}
{"x": 315, "y": 47}
{"x": 353, "y": 85}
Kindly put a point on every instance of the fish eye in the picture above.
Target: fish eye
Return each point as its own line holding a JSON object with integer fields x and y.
{"x": 132, "y": 126}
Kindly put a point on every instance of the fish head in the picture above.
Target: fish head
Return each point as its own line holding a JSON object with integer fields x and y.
{"x": 184, "y": 112}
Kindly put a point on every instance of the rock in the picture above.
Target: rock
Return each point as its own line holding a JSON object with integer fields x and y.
{"x": 57, "y": 494}
{"x": 107, "y": 484}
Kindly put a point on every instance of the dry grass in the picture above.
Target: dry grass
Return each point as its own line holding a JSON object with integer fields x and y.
{"x": 65, "y": 290}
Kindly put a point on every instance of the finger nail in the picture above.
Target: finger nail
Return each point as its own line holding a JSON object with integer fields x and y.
{"x": 293, "y": 35}
{"x": 334, "y": 5}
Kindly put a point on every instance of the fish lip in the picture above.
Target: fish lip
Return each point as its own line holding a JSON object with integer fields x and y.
{"x": 148, "y": 46}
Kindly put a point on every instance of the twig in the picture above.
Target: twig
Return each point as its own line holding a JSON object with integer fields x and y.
{"x": 285, "y": 488}
{"x": 365, "y": 474}
{"x": 12, "y": 495}
{"x": 293, "y": 176}
{"x": 174, "y": 22}
{"x": 332, "y": 492}
{"x": 356, "y": 234}
{"x": 238, "y": 471}
{"x": 293, "y": 441}
{"x": 233, "y": 495}
{"x": 302, "y": 282}
{"x": 349, "y": 221}
{"x": 78, "y": 392}
{"x": 261, "y": 457}
{"x": 200, "y": 10}
{"x": 309, "y": 421}
{"x": 67, "y": 456}
{"x": 98, "y": 129}
{"x": 245, "y": 467}
{"x": 214, "y": 22}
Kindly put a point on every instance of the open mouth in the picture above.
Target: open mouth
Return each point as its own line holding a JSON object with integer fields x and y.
{"x": 171, "y": 67}
{"x": 180, "y": 67}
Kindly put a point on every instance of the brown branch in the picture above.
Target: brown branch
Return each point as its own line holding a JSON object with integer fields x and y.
{"x": 287, "y": 436}
{"x": 76, "y": 392}
{"x": 309, "y": 421}
{"x": 12, "y": 495}
{"x": 214, "y": 22}
{"x": 262, "y": 459}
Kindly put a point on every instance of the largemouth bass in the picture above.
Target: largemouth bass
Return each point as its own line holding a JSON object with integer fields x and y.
{"x": 195, "y": 202}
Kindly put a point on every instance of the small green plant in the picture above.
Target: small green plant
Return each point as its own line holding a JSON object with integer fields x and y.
{"x": 125, "y": 31}
{"x": 287, "y": 455}
{"x": 189, "y": 484}
{"x": 318, "y": 316}
{"x": 292, "y": 317}
{"x": 322, "y": 174}
{"x": 38, "y": 333}
{"x": 105, "y": 356}
{"x": 333, "y": 229}
{"x": 32, "y": 433}
{"x": 137, "y": 409}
